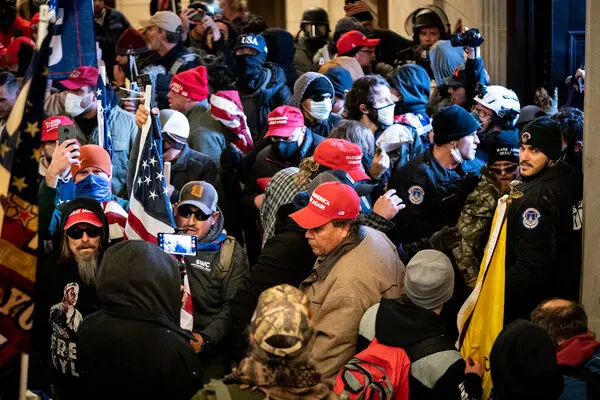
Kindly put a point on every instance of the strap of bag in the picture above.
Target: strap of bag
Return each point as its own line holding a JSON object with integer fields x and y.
{"x": 428, "y": 346}
{"x": 353, "y": 385}
{"x": 184, "y": 59}
{"x": 226, "y": 257}
{"x": 220, "y": 389}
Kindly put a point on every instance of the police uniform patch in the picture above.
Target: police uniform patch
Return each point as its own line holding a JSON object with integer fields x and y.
{"x": 531, "y": 218}
{"x": 416, "y": 194}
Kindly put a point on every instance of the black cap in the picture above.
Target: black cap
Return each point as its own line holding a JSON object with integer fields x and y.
{"x": 341, "y": 80}
{"x": 315, "y": 16}
{"x": 196, "y": 5}
{"x": 543, "y": 134}
{"x": 503, "y": 146}
{"x": 452, "y": 123}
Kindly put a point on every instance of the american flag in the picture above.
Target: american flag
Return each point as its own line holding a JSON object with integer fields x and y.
{"x": 105, "y": 96}
{"x": 150, "y": 211}
{"x": 19, "y": 155}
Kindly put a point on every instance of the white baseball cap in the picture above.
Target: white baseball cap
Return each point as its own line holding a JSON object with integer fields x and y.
{"x": 165, "y": 20}
{"x": 174, "y": 124}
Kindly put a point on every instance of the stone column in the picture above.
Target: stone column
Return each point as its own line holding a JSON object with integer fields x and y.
{"x": 591, "y": 169}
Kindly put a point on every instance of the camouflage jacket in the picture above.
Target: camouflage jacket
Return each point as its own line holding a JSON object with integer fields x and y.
{"x": 474, "y": 226}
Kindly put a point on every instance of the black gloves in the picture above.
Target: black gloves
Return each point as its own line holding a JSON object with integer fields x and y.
{"x": 445, "y": 239}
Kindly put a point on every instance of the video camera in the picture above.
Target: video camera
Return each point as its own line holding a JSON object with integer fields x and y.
{"x": 470, "y": 38}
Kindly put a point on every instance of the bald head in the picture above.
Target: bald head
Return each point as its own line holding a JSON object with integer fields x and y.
{"x": 563, "y": 319}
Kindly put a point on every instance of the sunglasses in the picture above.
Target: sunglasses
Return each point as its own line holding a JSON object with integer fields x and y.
{"x": 509, "y": 170}
{"x": 186, "y": 212}
{"x": 77, "y": 233}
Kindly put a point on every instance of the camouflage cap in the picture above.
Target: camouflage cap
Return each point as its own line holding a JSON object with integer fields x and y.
{"x": 282, "y": 323}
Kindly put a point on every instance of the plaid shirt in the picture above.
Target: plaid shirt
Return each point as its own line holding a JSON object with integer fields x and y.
{"x": 281, "y": 190}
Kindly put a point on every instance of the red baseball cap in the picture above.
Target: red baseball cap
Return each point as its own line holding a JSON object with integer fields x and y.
{"x": 82, "y": 215}
{"x": 341, "y": 154}
{"x": 50, "y": 127}
{"x": 80, "y": 77}
{"x": 353, "y": 39}
{"x": 330, "y": 201}
{"x": 283, "y": 121}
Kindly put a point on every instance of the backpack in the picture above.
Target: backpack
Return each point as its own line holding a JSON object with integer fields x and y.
{"x": 379, "y": 372}
{"x": 225, "y": 257}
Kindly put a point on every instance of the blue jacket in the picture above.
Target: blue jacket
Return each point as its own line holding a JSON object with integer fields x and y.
{"x": 576, "y": 389}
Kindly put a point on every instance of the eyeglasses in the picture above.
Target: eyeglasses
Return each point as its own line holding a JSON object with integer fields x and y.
{"x": 370, "y": 51}
{"x": 508, "y": 169}
{"x": 77, "y": 233}
{"x": 186, "y": 212}
{"x": 483, "y": 114}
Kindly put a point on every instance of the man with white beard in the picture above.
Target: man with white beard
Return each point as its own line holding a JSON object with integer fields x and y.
{"x": 66, "y": 293}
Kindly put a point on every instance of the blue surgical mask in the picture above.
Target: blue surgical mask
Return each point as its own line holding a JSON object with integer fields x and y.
{"x": 94, "y": 186}
{"x": 320, "y": 110}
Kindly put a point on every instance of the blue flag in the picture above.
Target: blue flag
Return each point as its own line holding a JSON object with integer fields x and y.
{"x": 106, "y": 96}
{"x": 73, "y": 41}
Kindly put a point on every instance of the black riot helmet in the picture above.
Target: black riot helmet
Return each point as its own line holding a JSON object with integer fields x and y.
{"x": 315, "y": 16}
{"x": 424, "y": 17}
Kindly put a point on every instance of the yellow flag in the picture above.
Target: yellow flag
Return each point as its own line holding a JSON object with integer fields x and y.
{"x": 481, "y": 317}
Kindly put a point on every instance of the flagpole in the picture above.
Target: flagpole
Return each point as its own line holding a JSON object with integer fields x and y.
{"x": 23, "y": 377}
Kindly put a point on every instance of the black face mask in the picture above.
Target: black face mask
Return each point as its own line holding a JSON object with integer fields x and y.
{"x": 284, "y": 150}
{"x": 248, "y": 66}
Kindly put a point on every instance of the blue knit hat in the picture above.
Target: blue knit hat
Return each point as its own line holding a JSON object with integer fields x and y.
{"x": 256, "y": 42}
{"x": 452, "y": 123}
{"x": 341, "y": 80}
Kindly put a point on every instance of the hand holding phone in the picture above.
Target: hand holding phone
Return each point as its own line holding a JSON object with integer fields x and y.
{"x": 183, "y": 245}
{"x": 65, "y": 155}
{"x": 66, "y": 132}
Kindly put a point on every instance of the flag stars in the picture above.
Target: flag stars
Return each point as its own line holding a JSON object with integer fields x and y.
{"x": 159, "y": 176}
{"x": 37, "y": 154}
{"x": 139, "y": 181}
{"x": 19, "y": 183}
{"x": 147, "y": 180}
{"x": 145, "y": 164}
{"x": 4, "y": 149}
{"x": 153, "y": 161}
{"x": 153, "y": 194}
{"x": 32, "y": 128}
{"x": 98, "y": 92}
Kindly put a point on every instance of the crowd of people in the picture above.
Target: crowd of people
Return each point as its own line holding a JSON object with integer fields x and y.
{"x": 339, "y": 186}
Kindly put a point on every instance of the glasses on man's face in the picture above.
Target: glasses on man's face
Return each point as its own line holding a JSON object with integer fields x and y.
{"x": 482, "y": 113}
{"x": 77, "y": 233}
{"x": 507, "y": 169}
{"x": 367, "y": 50}
{"x": 186, "y": 212}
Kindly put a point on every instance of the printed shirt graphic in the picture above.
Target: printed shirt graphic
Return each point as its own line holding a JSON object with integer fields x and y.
{"x": 64, "y": 321}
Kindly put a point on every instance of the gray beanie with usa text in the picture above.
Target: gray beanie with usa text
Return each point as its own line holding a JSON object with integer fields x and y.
{"x": 429, "y": 279}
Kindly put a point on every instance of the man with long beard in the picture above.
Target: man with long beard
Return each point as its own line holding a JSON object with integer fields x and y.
{"x": 66, "y": 293}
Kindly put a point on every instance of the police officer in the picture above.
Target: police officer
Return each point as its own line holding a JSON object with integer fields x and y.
{"x": 543, "y": 253}
{"x": 215, "y": 272}
{"x": 435, "y": 184}
{"x": 312, "y": 36}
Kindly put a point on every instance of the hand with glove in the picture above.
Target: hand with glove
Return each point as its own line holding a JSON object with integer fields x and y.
{"x": 232, "y": 159}
{"x": 445, "y": 239}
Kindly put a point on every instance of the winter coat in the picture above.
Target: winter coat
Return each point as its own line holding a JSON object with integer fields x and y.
{"x": 439, "y": 371}
{"x": 178, "y": 59}
{"x": 474, "y": 226}
{"x": 267, "y": 165}
{"x": 579, "y": 352}
{"x": 124, "y": 132}
{"x": 305, "y": 53}
{"x": 213, "y": 289}
{"x": 108, "y": 34}
{"x": 207, "y": 135}
{"x": 434, "y": 196}
{"x": 342, "y": 286}
{"x": 543, "y": 253}
{"x": 269, "y": 93}
{"x": 63, "y": 299}
{"x": 133, "y": 347}
{"x": 285, "y": 258}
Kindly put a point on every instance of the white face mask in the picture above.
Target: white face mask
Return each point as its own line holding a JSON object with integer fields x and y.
{"x": 320, "y": 110}
{"x": 385, "y": 115}
{"x": 456, "y": 155}
{"x": 73, "y": 104}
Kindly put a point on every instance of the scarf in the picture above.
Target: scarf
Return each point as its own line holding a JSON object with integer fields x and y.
{"x": 281, "y": 382}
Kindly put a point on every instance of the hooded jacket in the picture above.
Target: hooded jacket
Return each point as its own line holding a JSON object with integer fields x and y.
{"x": 445, "y": 59}
{"x": 207, "y": 135}
{"x": 543, "y": 245}
{"x": 439, "y": 372}
{"x": 412, "y": 83}
{"x": 305, "y": 52}
{"x": 133, "y": 347}
{"x": 321, "y": 128}
{"x": 262, "y": 94}
{"x": 63, "y": 299}
{"x": 579, "y": 352}
{"x": 281, "y": 52}
{"x": 212, "y": 293}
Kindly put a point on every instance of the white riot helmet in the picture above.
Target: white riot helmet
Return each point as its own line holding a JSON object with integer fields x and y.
{"x": 504, "y": 102}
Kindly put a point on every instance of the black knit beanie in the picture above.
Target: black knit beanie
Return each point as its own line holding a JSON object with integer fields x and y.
{"x": 543, "y": 134}
{"x": 318, "y": 87}
{"x": 452, "y": 123}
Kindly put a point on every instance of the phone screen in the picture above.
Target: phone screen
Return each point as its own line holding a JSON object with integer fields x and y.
{"x": 183, "y": 245}
{"x": 66, "y": 132}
